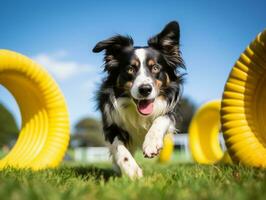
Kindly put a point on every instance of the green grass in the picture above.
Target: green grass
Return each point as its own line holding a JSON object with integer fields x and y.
{"x": 173, "y": 181}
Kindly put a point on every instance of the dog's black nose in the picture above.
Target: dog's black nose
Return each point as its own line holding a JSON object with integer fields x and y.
{"x": 145, "y": 89}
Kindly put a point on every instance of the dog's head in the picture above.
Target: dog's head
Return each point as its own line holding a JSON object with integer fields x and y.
{"x": 143, "y": 73}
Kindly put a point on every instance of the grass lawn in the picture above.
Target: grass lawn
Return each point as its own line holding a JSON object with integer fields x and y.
{"x": 172, "y": 181}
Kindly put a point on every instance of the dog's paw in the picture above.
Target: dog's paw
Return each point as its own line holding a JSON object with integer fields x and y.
{"x": 131, "y": 169}
{"x": 133, "y": 172}
{"x": 136, "y": 173}
{"x": 152, "y": 147}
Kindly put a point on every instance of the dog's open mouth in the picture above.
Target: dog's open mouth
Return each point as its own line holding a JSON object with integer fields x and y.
{"x": 145, "y": 107}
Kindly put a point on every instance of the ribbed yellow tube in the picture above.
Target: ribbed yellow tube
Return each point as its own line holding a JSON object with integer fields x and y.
{"x": 44, "y": 134}
{"x": 243, "y": 111}
{"x": 203, "y": 134}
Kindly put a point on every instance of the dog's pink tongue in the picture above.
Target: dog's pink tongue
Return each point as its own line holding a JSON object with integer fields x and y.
{"x": 145, "y": 107}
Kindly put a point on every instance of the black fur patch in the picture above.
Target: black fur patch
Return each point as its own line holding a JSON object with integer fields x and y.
{"x": 113, "y": 131}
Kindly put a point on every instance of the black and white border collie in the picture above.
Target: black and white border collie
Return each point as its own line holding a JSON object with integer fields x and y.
{"x": 138, "y": 98}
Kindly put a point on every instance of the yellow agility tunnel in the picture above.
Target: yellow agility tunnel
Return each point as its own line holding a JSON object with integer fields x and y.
{"x": 203, "y": 134}
{"x": 44, "y": 134}
{"x": 242, "y": 113}
{"x": 243, "y": 109}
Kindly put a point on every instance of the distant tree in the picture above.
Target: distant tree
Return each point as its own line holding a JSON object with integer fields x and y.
{"x": 8, "y": 127}
{"x": 187, "y": 109}
{"x": 88, "y": 132}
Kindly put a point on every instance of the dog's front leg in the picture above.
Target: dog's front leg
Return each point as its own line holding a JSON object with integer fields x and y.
{"x": 153, "y": 141}
{"x": 124, "y": 160}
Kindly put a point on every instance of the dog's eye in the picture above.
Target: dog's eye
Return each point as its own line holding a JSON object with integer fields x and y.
{"x": 131, "y": 70}
{"x": 155, "y": 69}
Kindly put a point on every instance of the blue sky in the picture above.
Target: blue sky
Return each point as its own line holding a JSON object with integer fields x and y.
{"x": 61, "y": 34}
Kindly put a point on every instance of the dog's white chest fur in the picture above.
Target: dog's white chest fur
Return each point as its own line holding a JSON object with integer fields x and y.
{"x": 126, "y": 116}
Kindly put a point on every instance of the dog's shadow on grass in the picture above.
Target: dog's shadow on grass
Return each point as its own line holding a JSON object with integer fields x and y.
{"x": 87, "y": 172}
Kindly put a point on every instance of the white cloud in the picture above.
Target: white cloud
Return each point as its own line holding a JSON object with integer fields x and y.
{"x": 57, "y": 64}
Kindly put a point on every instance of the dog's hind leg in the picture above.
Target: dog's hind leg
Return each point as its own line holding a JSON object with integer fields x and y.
{"x": 124, "y": 159}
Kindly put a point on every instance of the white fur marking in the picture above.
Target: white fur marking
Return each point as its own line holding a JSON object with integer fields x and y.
{"x": 123, "y": 158}
{"x": 142, "y": 76}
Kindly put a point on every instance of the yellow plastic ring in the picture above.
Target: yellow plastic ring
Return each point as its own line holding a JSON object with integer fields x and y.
{"x": 44, "y": 134}
{"x": 203, "y": 134}
{"x": 243, "y": 111}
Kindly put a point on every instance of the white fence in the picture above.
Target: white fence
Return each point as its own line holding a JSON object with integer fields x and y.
{"x": 92, "y": 154}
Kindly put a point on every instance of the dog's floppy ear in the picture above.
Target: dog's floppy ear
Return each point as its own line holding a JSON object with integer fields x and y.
{"x": 114, "y": 47}
{"x": 167, "y": 42}
{"x": 113, "y": 44}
